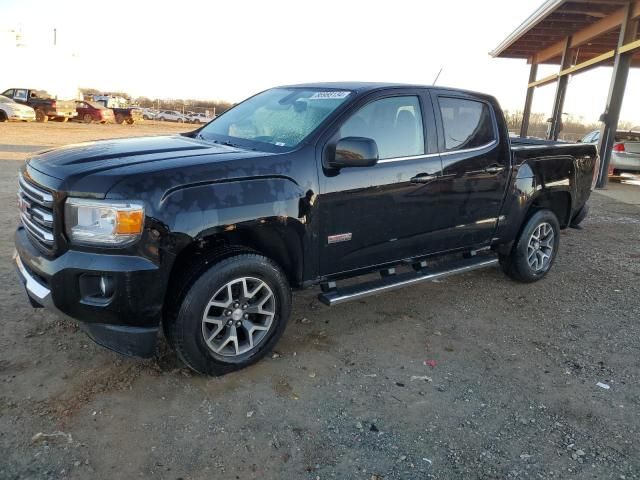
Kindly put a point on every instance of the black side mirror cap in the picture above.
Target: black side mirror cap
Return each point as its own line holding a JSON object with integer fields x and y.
{"x": 354, "y": 152}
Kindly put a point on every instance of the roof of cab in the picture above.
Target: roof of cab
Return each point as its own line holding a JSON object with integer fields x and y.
{"x": 361, "y": 87}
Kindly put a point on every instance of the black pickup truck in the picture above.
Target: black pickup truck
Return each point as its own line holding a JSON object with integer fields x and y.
{"x": 45, "y": 105}
{"x": 207, "y": 233}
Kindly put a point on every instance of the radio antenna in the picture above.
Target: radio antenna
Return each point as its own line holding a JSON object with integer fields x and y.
{"x": 437, "y": 76}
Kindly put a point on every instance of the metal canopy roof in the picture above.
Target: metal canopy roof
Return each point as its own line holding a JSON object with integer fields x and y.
{"x": 593, "y": 24}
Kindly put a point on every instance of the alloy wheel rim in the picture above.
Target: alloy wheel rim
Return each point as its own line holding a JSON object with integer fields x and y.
{"x": 238, "y": 316}
{"x": 540, "y": 247}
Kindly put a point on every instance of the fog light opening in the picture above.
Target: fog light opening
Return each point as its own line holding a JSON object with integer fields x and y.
{"x": 106, "y": 286}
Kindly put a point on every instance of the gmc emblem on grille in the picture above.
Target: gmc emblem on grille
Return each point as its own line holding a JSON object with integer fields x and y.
{"x": 23, "y": 205}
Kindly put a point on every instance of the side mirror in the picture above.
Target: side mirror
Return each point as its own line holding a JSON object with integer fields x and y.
{"x": 354, "y": 152}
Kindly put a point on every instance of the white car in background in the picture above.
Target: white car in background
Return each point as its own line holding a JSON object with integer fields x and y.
{"x": 625, "y": 153}
{"x": 171, "y": 116}
{"x": 199, "y": 118}
{"x": 149, "y": 114}
{"x": 14, "y": 111}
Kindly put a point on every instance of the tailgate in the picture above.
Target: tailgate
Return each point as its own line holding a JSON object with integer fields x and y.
{"x": 65, "y": 107}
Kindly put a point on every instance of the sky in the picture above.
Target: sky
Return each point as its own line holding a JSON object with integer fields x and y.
{"x": 228, "y": 50}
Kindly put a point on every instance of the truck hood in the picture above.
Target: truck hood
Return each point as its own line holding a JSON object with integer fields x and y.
{"x": 100, "y": 157}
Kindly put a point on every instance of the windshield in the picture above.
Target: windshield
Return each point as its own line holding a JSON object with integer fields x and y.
{"x": 281, "y": 117}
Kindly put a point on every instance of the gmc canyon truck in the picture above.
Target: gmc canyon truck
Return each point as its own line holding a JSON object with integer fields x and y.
{"x": 206, "y": 234}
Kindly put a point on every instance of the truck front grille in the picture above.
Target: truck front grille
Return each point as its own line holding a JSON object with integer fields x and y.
{"x": 37, "y": 213}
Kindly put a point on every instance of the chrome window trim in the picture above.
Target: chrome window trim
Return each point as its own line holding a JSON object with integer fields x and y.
{"x": 412, "y": 157}
{"x": 492, "y": 143}
{"x": 474, "y": 149}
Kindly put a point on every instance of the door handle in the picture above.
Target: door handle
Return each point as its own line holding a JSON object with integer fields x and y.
{"x": 423, "y": 178}
{"x": 493, "y": 169}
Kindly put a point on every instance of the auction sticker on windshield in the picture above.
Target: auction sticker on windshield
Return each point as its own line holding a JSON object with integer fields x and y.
{"x": 328, "y": 95}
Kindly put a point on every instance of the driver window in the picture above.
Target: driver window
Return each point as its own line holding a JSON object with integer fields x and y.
{"x": 395, "y": 123}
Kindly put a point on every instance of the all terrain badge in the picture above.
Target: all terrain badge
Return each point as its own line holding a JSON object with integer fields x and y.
{"x": 340, "y": 237}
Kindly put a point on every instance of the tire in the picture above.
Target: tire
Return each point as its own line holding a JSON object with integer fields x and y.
{"x": 130, "y": 121}
{"x": 580, "y": 216}
{"x": 119, "y": 118}
{"x": 87, "y": 118}
{"x": 198, "y": 328}
{"x": 180, "y": 120}
{"x": 531, "y": 259}
{"x": 40, "y": 116}
{"x": 3, "y": 116}
{"x": 616, "y": 172}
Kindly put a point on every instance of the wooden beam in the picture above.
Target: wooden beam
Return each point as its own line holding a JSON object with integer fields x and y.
{"x": 630, "y": 47}
{"x": 593, "y": 62}
{"x": 544, "y": 81}
{"x": 594, "y": 30}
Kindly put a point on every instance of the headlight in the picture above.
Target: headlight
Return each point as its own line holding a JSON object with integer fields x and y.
{"x": 103, "y": 222}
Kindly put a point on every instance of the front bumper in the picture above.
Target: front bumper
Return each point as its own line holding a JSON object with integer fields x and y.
{"x": 23, "y": 117}
{"x": 126, "y": 321}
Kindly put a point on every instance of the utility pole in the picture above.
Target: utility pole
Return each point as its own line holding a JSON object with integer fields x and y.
{"x": 55, "y": 37}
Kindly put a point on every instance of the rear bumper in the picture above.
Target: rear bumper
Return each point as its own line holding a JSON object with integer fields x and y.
{"x": 62, "y": 114}
{"x": 626, "y": 161}
{"x": 127, "y": 320}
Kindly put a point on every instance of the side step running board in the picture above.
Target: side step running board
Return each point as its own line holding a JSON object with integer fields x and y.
{"x": 387, "y": 283}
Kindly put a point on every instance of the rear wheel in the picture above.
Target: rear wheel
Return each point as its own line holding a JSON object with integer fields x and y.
{"x": 40, "y": 116}
{"x": 230, "y": 314}
{"x": 87, "y": 118}
{"x": 535, "y": 250}
{"x": 3, "y": 116}
{"x": 119, "y": 118}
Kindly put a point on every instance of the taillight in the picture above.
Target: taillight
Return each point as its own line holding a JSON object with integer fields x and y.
{"x": 53, "y": 104}
{"x": 618, "y": 147}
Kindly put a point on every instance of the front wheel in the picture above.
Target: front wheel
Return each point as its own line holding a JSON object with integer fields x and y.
{"x": 535, "y": 249}
{"x": 231, "y": 314}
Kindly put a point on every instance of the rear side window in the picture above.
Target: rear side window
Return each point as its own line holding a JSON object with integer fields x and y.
{"x": 395, "y": 123}
{"x": 466, "y": 123}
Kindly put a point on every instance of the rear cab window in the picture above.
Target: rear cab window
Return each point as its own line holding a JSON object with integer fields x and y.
{"x": 467, "y": 123}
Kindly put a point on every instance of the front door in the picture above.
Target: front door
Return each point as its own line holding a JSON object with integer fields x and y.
{"x": 379, "y": 214}
{"x": 475, "y": 170}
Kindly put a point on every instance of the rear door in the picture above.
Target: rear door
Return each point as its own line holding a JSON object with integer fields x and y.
{"x": 475, "y": 157}
{"x": 380, "y": 214}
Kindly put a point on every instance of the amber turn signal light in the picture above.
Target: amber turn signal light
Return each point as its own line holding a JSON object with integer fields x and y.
{"x": 129, "y": 222}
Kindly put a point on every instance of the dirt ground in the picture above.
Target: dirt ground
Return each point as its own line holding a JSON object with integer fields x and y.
{"x": 509, "y": 389}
